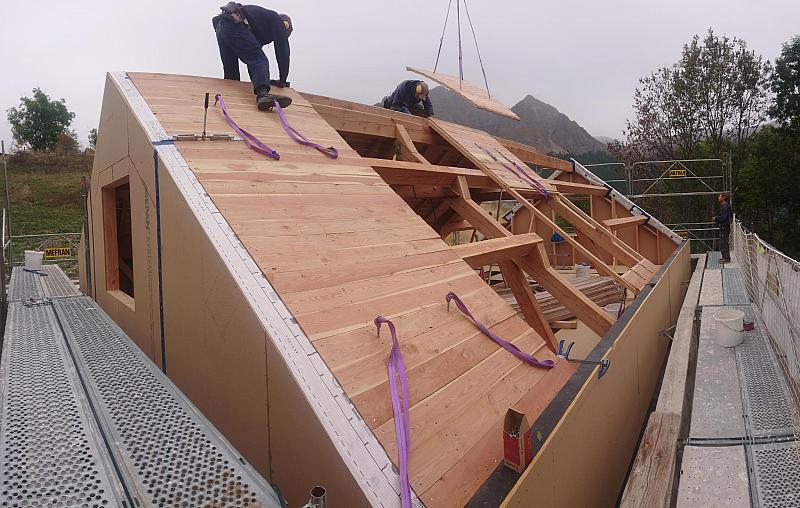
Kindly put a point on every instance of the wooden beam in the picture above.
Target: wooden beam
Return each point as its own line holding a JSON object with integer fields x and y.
{"x": 346, "y": 116}
{"x": 518, "y": 283}
{"x": 564, "y": 325}
{"x": 408, "y": 152}
{"x": 556, "y": 198}
{"x": 579, "y": 188}
{"x": 462, "y": 187}
{"x": 438, "y": 212}
{"x": 652, "y": 476}
{"x": 455, "y": 225}
{"x": 625, "y": 222}
{"x": 593, "y": 259}
{"x": 586, "y": 226}
{"x": 489, "y": 252}
{"x": 538, "y": 266}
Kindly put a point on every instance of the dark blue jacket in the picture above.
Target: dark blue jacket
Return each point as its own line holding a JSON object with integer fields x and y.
{"x": 404, "y": 98}
{"x": 725, "y": 216}
{"x": 267, "y": 27}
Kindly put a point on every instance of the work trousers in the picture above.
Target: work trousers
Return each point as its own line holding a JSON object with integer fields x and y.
{"x": 725, "y": 241}
{"x": 236, "y": 42}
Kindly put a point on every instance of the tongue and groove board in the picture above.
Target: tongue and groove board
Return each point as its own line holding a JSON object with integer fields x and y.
{"x": 340, "y": 248}
{"x": 474, "y": 94}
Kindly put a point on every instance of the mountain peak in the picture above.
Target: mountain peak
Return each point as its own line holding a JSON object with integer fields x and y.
{"x": 541, "y": 125}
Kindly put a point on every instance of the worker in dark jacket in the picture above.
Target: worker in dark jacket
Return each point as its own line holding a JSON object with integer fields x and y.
{"x": 723, "y": 220}
{"x": 410, "y": 97}
{"x": 242, "y": 30}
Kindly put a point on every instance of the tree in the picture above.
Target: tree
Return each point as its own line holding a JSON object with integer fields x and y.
{"x": 767, "y": 196}
{"x": 786, "y": 86}
{"x": 93, "y": 139}
{"x": 39, "y": 120}
{"x": 717, "y": 90}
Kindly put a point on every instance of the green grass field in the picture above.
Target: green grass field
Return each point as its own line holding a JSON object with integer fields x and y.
{"x": 45, "y": 199}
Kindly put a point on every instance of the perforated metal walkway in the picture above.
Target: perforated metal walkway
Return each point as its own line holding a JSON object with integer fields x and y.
{"x": 88, "y": 420}
{"x": 742, "y": 448}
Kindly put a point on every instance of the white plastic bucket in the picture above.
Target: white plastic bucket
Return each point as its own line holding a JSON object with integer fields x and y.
{"x": 729, "y": 325}
{"x": 33, "y": 259}
{"x": 613, "y": 309}
{"x": 581, "y": 270}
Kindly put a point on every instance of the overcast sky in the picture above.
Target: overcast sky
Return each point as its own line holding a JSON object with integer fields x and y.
{"x": 583, "y": 57}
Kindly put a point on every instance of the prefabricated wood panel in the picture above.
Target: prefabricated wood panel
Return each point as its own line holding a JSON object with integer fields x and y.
{"x": 340, "y": 248}
{"x": 488, "y": 154}
{"x": 596, "y": 437}
{"x": 474, "y": 94}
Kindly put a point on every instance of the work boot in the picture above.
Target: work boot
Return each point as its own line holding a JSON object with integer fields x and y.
{"x": 266, "y": 100}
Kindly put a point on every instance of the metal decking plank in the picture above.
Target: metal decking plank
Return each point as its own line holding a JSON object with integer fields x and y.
{"x": 56, "y": 284}
{"x": 24, "y": 285}
{"x": 767, "y": 401}
{"x": 51, "y": 449}
{"x": 169, "y": 450}
{"x": 733, "y": 288}
{"x": 712, "y": 260}
{"x": 777, "y": 474}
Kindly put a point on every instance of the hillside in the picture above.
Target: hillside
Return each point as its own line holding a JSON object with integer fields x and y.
{"x": 541, "y": 125}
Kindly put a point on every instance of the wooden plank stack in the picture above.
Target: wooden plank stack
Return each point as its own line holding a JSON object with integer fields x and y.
{"x": 601, "y": 290}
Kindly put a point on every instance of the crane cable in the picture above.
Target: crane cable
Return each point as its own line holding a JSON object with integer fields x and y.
{"x": 460, "y": 52}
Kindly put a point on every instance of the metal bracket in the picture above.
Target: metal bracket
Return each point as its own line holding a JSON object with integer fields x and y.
{"x": 604, "y": 364}
{"x": 666, "y": 332}
{"x": 207, "y": 137}
{"x": 37, "y": 302}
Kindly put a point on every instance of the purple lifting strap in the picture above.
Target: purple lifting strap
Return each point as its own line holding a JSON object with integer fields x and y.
{"x": 297, "y": 136}
{"x": 252, "y": 141}
{"x": 397, "y": 369}
{"x": 511, "y": 348}
{"x": 534, "y": 182}
{"x": 524, "y": 176}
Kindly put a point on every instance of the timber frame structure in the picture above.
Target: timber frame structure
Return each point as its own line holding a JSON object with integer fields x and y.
{"x": 257, "y": 281}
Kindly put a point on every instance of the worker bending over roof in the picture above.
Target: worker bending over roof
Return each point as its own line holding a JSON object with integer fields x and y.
{"x": 242, "y": 30}
{"x": 412, "y": 97}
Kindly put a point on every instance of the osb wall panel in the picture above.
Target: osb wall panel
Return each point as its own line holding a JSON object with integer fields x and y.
{"x": 585, "y": 459}
{"x": 215, "y": 346}
{"x": 123, "y": 151}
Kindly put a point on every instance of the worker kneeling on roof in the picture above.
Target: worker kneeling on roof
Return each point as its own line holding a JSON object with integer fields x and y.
{"x": 412, "y": 97}
{"x": 242, "y": 30}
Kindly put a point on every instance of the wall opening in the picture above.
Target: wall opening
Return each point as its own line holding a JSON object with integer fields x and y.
{"x": 118, "y": 237}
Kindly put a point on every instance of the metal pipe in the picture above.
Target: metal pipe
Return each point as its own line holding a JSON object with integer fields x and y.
{"x": 87, "y": 253}
{"x": 8, "y": 201}
{"x": 3, "y": 271}
{"x": 318, "y": 498}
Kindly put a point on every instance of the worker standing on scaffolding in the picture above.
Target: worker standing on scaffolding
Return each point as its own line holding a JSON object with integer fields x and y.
{"x": 242, "y": 30}
{"x": 723, "y": 220}
{"x": 412, "y": 97}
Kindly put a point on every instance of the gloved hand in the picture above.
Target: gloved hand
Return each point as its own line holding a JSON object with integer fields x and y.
{"x": 279, "y": 84}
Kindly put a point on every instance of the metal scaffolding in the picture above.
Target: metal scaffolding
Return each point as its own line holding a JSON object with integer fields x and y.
{"x": 669, "y": 180}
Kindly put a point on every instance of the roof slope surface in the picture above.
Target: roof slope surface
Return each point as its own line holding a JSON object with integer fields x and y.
{"x": 341, "y": 247}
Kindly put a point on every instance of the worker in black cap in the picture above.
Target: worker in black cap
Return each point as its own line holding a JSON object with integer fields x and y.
{"x": 410, "y": 96}
{"x": 242, "y": 30}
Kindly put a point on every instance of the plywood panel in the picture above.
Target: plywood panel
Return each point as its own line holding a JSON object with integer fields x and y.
{"x": 474, "y": 94}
